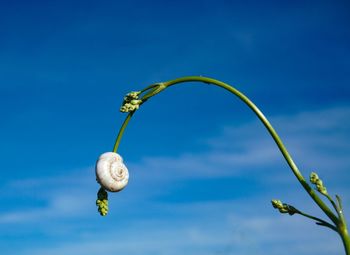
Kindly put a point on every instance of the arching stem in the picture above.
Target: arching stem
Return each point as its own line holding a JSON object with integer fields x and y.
{"x": 272, "y": 132}
{"x": 121, "y": 131}
{"x": 339, "y": 222}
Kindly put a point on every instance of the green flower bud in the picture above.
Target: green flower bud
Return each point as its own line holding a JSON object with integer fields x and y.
{"x": 314, "y": 178}
{"x": 276, "y": 203}
{"x": 283, "y": 208}
{"x": 135, "y": 102}
{"x": 103, "y": 211}
{"x": 131, "y": 102}
{"x": 322, "y": 189}
{"x": 102, "y": 202}
{"x": 132, "y": 95}
{"x": 130, "y": 106}
{"x": 123, "y": 108}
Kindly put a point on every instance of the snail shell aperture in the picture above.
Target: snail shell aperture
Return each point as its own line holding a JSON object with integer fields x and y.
{"x": 111, "y": 172}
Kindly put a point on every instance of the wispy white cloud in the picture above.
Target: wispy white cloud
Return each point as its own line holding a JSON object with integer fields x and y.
{"x": 313, "y": 136}
{"x": 64, "y": 206}
{"x": 61, "y": 196}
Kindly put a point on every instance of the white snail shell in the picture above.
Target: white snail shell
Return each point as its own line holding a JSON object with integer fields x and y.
{"x": 111, "y": 172}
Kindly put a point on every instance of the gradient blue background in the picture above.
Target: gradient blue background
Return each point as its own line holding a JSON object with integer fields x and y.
{"x": 203, "y": 169}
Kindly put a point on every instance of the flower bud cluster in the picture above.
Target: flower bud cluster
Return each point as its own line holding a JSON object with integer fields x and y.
{"x": 314, "y": 179}
{"x": 102, "y": 202}
{"x": 283, "y": 208}
{"x": 131, "y": 102}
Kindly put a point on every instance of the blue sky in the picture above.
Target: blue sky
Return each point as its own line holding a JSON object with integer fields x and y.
{"x": 202, "y": 168}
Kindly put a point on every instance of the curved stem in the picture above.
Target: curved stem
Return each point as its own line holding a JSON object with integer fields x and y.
{"x": 149, "y": 87}
{"x": 338, "y": 222}
{"x": 272, "y": 132}
{"x": 121, "y": 131}
{"x": 318, "y": 221}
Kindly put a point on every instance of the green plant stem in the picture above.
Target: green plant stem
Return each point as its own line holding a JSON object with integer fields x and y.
{"x": 149, "y": 87}
{"x": 319, "y": 221}
{"x": 121, "y": 131}
{"x": 344, "y": 234}
{"x": 340, "y": 223}
{"x": 342, "y": 229}
{"x": 272, "y": 132}
{"x": 335, "y": 206}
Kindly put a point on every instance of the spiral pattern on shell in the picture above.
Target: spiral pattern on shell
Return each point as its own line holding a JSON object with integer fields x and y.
{"x": 111, "y": 172}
